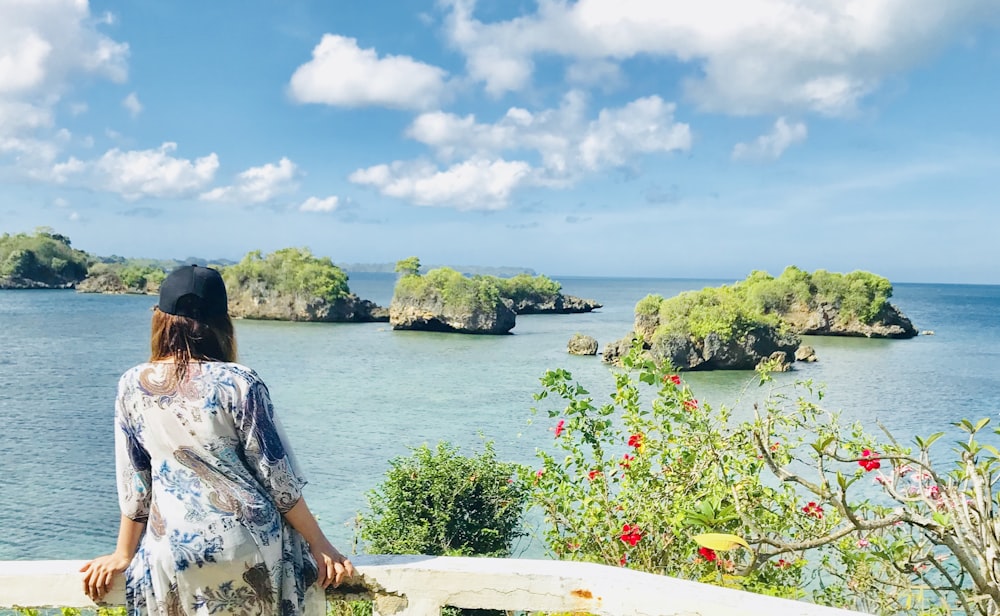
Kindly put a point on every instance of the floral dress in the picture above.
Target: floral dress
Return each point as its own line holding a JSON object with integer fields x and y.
{"x": 203, "y": 461}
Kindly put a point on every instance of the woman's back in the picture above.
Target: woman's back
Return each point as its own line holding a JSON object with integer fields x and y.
{"x": 203, "y": 459}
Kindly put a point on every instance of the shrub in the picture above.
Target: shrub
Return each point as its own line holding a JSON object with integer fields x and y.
{"x": 290, "y": 270}
{"x": 524, "y": 287}
{"x": 790, "y": 502}
{"x": 438, "y": 502}
{"x": 454, "y": 289}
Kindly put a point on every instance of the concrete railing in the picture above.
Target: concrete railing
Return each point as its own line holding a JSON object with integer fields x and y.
{"x": 421, "y": 585}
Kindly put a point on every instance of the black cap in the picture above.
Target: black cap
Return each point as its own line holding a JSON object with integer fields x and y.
{"x": 195, "y": 292}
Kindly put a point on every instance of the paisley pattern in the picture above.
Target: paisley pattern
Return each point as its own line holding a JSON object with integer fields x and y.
{"x": 204, "y": 461}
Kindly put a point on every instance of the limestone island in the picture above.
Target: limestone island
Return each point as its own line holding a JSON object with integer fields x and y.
{"x": 443, "y": 300}
{"x": 292, "y": 284}
{"x": 761, "y": 319}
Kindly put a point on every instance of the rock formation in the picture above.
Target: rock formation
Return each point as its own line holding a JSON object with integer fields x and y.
{"x": 560, "y": 304}
{"x": 254, "y": 300}
{"x": 582, "y": 345}
{"x": 432, "y": 313}
{"x": 825, "y": 320}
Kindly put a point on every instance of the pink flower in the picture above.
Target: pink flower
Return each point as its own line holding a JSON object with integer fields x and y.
{"x": 691, "y": 404}
{"x": 863, "y": 543}
{"x": 560, "y": 427}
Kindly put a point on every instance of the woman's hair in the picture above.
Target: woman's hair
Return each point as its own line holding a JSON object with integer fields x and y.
{"x": 185, "y": 339}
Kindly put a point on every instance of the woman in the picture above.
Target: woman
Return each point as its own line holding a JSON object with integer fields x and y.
{"x": 213, "y": 519}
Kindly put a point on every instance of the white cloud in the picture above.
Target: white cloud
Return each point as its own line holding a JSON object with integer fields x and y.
{"x": 257, "y": 184}
{"x": 773, "y": 144}
{"x": 475, "y": 184}
{"x": 78, "y": 108}
{"x": 132, "y": 105}
{"x": 60, "y": 202}
{"x": 315, "y": 204}
{"x": 139, "y": 173}
{"x": 553, "y": 147}
{"x": 342, "y": 74}
{"x": 44, "y": 46}
{"x": 750, "y": 57}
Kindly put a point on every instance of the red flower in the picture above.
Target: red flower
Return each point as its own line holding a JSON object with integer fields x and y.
{"x": 782, "y": 564}
{"x": 869, "y": 461}
{"x": 594, "y": 474}
{"x": 631, "y": 534}
{"x": 813, "y": 510}
{"x": 560, "y": 427}
{"x": 627, "y": 461}
{"x": 624, "y": 560}
{"x": 708, "y": 554}
{"x": 635, "y": 440}
{"x": 774, "y": 446}
{"x": 690, "y": 404}
{"x": 672, "y": 378}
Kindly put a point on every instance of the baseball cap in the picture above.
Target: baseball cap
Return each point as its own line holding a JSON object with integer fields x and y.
{"x": 195, "y": 292}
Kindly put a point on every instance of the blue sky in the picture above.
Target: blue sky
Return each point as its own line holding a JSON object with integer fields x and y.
{"x": 601, "y": 137}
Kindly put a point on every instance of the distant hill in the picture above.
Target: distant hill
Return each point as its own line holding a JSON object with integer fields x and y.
{"x": 468, "y": 270}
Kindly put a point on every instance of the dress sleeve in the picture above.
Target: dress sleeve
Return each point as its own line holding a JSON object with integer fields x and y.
{"x": 132, "y": 463}
{"x": 266, "y": 448}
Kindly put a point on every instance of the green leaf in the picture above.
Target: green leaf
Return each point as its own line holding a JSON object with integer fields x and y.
{"x": 930, "y": 439}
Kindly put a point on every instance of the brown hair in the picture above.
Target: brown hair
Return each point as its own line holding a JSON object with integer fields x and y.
{"x": 185, "y": 339}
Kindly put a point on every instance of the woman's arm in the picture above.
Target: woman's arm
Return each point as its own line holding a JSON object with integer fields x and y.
{"x": 99, "y": 573}
{"x": 333, "y": 566}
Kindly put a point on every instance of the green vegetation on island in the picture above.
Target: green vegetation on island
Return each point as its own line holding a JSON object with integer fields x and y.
{"x": 42, "y": 259}
{"x": 527, "y": 288}
{"x": 454, "y": 289}
{"x": 731, "y": 311}
{"x": 294, "y": 271}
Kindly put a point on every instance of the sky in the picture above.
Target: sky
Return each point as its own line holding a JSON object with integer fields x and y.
{"x": 645, "y": 138}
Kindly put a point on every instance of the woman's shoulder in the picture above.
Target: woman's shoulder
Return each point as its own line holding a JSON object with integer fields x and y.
{"x": 234, "y": 370}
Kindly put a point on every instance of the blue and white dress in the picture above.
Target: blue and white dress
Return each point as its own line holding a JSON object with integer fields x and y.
{"x": 203, "y": 461}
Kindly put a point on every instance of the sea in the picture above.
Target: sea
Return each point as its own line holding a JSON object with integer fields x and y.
{"x": 354, "y": 396}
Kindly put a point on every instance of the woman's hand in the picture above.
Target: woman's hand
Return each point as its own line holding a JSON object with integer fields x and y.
{"x": 100, "y": 572}
{"x": 333, "y": 566}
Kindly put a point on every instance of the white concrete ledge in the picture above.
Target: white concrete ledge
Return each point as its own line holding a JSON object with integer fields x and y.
{"x": 420, "y": 585}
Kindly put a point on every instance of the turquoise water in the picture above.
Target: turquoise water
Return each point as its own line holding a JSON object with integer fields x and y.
{"x": 352, "y": 396}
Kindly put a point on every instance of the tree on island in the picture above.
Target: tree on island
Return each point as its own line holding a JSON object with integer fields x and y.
{"x": 409, "y": 266}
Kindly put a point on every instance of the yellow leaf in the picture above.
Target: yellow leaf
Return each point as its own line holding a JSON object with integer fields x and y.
{"x": 720, "y": 541}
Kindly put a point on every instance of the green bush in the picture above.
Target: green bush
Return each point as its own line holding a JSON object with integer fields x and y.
{"x": 438, "y": 502}
{"x": 454, "y": 289}
{"x": 724, "y": 310}
{"x": 290, "y": 270}
{"x": 525, "y": 287}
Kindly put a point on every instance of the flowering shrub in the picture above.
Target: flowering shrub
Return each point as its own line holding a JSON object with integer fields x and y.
{"x": 789, "y": 502}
